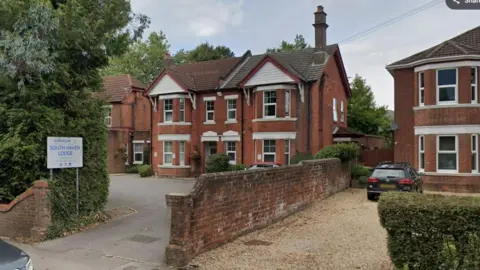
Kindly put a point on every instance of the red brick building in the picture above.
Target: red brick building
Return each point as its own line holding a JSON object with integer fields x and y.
{"x": 253, "y": 108}
{"x": 437, "y": 111}
{"x": 128, "y": 119}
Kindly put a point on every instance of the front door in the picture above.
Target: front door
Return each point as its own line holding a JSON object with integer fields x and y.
{"x": 210, "y": 149}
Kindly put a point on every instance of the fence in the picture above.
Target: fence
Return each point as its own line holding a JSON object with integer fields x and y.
{"x": 372, "y": 157}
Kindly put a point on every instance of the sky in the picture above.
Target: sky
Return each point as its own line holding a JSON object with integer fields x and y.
{"x": 257, "y": 25}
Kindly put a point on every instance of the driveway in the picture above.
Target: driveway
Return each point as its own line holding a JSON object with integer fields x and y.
{"x": 136, "y": 241}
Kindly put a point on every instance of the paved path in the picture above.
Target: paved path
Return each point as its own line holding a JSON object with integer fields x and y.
{"x": 134, "y": 242}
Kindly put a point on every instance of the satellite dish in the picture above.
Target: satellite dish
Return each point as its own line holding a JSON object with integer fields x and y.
{"x": 394, "y": 126}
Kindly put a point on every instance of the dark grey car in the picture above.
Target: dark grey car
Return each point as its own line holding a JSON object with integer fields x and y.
{"x": 13, "y": 258}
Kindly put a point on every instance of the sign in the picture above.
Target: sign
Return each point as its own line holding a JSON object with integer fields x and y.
{"x": 64, "y": 152}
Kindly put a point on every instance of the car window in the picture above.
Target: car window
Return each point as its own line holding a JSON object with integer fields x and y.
{"x": 388, "y": 173}
{"x": 412, "y": 172}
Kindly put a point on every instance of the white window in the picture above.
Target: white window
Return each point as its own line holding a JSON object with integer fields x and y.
{"x": 447, "y": 153}
{"x": 167, "y": 153}
{"x": 288, "y": 96}
{"x": 474, "y": 72}
{"x": 474, "y": 153}
{"x": 108, "y": 116}
{"x": 342, "y": 112}
{"x": 287, "y": 152}
{"x": 335, "y": 116}
{"x": 182, "y": 153}
{"x": 138, "y": 153}
{"x": 447, "y": 86}
{"x": 269, "y": 150}
{"x": 421, "y": 88}
{"x": 210, "y": 110}
{"x": 269, "y": 104}
{"x": 232, "y": 152}
{"x": 421, "y": 153}
{"x": 182, "y": 110}
{"x": 168, "y": 110}
{"x": 231, "y": 109}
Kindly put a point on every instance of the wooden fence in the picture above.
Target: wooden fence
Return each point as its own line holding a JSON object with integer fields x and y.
{"x": 372, "y": 157}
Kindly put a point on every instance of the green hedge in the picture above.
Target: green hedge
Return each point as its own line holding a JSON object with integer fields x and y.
{"x": 358, "y": 171}
{"x": 344, "y": 151}
{"x": 300, "y": 157}
{"x": 431, "y": 231}
{"x": 238, "y": 167}
{"x": 145, "y": 170}
{"x": 132, "y": 169}
{"x": 217, "y": 163}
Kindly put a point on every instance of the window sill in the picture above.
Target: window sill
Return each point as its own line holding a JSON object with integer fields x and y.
{"x": 175, "y": 124}
{"x": 273, "y": 119}
{"x": 451, "y": 105}
{"x": 231, "y": 122}
{"x": 450, "y": 174}
{"x": 174, "y": 166}
{"x": 209, "y": 123}
{"x": 138, "y": 162}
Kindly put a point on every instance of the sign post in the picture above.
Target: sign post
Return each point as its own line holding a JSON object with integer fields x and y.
{"x": 64, "y": 153}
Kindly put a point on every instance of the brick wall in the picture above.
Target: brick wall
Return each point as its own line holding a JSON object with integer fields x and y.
{"x": 28, "y": 215}
{"x": 223, "y": 206}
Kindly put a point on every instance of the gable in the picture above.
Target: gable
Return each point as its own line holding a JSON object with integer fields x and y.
{"x": 268, "y": 74}
{"x": 166, "y": 85}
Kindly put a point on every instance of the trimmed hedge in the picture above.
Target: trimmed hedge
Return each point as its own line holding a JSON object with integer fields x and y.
{"x": 131, "y": 169}
{"x": 431, "y": 231}
{"x": 238, "y": 167}
{"x": 358, "y": 171}
{"x": 145, "y": 170}
{"x": 344, "y": 151}
{"x": 300, "y": 157}
{"x": 217, "y": 163}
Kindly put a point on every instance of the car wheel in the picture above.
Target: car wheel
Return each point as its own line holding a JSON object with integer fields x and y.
{"x": 371, "y": 196}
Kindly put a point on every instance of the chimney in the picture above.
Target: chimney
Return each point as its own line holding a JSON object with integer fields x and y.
{"x": 167, "y": 60}
{"x": 320, "y": 25}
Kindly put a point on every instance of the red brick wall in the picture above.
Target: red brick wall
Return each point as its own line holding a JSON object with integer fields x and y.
{"x": 223, "y": 206}
{"x": 28, "y": 215}
{"x": 404, "y": 81}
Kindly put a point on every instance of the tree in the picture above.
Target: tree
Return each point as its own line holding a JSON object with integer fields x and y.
{"x": 363, "y": 113}
{"x": 206, "y": 52}
{"x": 144, "y": 59}
{"x": 297, "y": 45}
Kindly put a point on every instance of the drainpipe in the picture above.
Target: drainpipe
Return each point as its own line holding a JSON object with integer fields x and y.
{"x": 242, "y": 128}
{"x": 151, "y": 135}
{"x": 308, "y": 96}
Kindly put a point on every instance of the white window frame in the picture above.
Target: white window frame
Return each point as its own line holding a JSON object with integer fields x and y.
{"x": 475, "y": 152}
{"x": 287, "y": 153}
{"x": 233, "y": 101}
{"x": 165, "y": 111}
{"x": 447, "y": 152}
{"x": 207, "y": 111}
{"x": 474, "y": 86}
{"x": 167, "y": 153}
{"x": 135, "y": 152}
{"x": 288, "y": 103}
{"x": 181, "y": 153}
{"x": 108, "y": 117}
{"x": 269, "y": 104}
{"x": 421, "y": 89}
{"x": 447, "y": 86}
{"x": 269, "y": 153}
{"x": 334, "y": 111}
{"x": 421, "y": 152}
{"x": 342, "y": 112}
{"x": 182, "y": 110}
{"x": 234, "y": 152}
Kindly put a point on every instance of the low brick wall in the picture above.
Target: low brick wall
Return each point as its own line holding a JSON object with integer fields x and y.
{"x": 223, "y": 206}
{"x": 28, "y": 215}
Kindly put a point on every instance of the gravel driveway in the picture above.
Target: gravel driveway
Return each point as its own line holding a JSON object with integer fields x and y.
{"x": 342, "y": 232}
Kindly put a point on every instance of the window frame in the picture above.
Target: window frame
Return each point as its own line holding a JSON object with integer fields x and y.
{"x": 181, "y": 153}
{"x": 288, "y": 103}
{"x": 287, "y": 151}
{"x": 126, "y": 153}
{"x": 135, "y": 152}
{"x": 207, "y": 111}
{"x": 169, "y": 111}
{"x": 182, "y": 110}
{"x": 234, "y": 152}
{"x": 421, "y": 89}
{"x": 165, "y": 153}
{"x": 234, "y": 110}
{"x": 421, "y": 141}
{"x": 334, "y": 111}
{"x": 108, "y": 116}
{"x": 456, "y": 152}
{"x": 342, "y": 112}
{"x": 447, "y": 86}
{"x": 269, "y": 153}
{"x": 269, "y": 104}
{"x": 474, "y": 86}
{"x": 474, "y": 152}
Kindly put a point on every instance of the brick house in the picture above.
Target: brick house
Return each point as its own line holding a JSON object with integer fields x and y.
{"x": 437, "y": 111}
{"x": 128, "y": 119}
{"x": 254, "y": 108}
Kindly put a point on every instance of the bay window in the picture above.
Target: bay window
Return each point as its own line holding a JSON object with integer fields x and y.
{"x": 474, "y": 83}
{"x": 421, "y": 153}
{"x": 269, "y": 104}
{"x": 269, "y": 150}
{"x": 181, "y": 155}
{"x": 447, "y": 153}
{"x": 447, "y": 86}
{"x": 182, "y": 110}
{"x": 168, "y": 110}
{"x": 474, "y": 153}
{"x": 232, "y": 152}
{"x": 287, "y": 152}
{"x": 421, "y": 89}
{"x": 167, "y": 153}
{"x": 287, "y": 102}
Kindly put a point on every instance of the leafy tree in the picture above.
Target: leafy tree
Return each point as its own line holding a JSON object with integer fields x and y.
{"x": 363, "y": 113}
{"x": 206, "y": 52}
{"x": 297, "y": 45}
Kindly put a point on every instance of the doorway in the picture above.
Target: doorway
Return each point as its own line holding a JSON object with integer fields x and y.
{"x": 210, "y": 149}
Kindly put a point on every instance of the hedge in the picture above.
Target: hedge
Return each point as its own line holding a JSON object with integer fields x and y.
{"x": 145, "y": 170}
{"x": 300, "y": 157}
{"x": 358, "y": 171}
{"x": 344, "y": 151}
{"x": 431, "y": 231}
{"x": 238, "y": 167}
{"x": 132, "y": 169}
{"x": 217, "y": 163}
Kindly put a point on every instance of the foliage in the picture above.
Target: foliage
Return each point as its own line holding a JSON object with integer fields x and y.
{"x": 50, "y": 54}
{"x": 358, "y": 170}
{"x": 217, "y": 163}
{"x": 344, "y": 151}
{"x": 300, "y": 156}
{"x": 238, "y": 167}
{"x": 145, "y": 170}
{"x": 363, "y": 113}
{"x": 297, "y": 45}
{"x": 206, "y": 52}
{"x": 431, "y": 231}
{"x": 131, "y": 169}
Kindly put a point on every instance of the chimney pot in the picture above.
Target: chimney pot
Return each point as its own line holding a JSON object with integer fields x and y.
{"x": 167, "y": 60}
{"x": 319, "y": 8}
{"x": 320, "y": 25}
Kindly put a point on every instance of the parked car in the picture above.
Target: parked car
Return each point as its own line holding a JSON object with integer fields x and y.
{"x": 12, "y": 258}
{"x": 388, "y": 176}
{"x": 264, "y": 165}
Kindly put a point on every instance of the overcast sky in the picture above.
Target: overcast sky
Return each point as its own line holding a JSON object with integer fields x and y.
{"x": 259, "y": 24}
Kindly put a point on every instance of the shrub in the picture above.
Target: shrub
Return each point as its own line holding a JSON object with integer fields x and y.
{"x": 238, "y": 167}
{"x": 131, "y": 169}
{"x": 345, "y": 152}
{"x": 301, "y": 156}
{"x": 145, "y": 170}
{"x": 217, "y": 163}
{"x": 358, "y": 170}
{"x": 431, "y": 231}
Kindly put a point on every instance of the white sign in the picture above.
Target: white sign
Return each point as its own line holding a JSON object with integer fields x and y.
{"x": 64, "y": 152}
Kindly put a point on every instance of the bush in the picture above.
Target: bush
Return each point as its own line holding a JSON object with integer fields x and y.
{"x": 131, "y": 169}
{"x": 431, "y": 231}
{"x": 217, "y": 163}
{"x": 301, "y": 156}
{"x": 358, "y": 170}
{"x": 344, "y": 151}
{"x": 238, "y": 167}
{"x": 145, "y": 170}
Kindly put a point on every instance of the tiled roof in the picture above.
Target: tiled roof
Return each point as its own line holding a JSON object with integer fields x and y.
{"x": 467, "y": 43}
{"x": 117, "y": 87}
